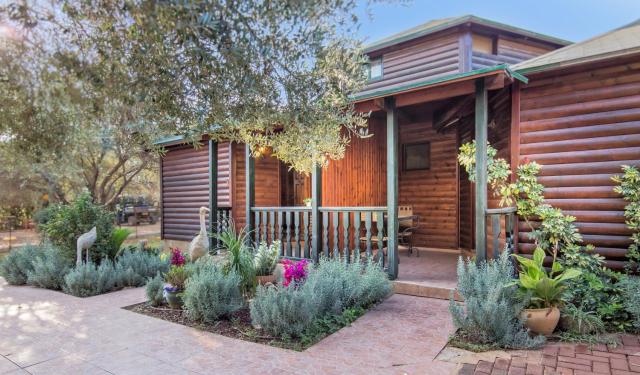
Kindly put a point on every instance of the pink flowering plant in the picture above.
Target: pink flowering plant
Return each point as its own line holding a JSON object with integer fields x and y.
{"x": 294, "y": 272}
{"x": 177, "y": 258}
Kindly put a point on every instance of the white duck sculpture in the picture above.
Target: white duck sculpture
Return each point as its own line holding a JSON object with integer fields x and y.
{"x": 199, "y": 246}
{"x": 85, "y": 241}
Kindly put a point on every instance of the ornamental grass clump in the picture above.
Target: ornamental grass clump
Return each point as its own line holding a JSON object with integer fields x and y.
{"x": 212, "y": 294}
{"x": 16, "y": 266}
{"x": 489, "y": 317}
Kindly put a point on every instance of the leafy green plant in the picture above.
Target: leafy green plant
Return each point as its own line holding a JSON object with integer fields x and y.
{"x": 544, "y": 288}
{"x": 118, "y": 236}
{"x": 239, "y": 257}
{"x": 490, "y": 314}
{"x": 67, "y": 222}
{"x": 266, "y": 258}
{"x": 631, "y": 293}
{"x": 177, "y": 276}
{"x": 16, "y": 266}
{"x": 579, "y": 322}
{"x": 629, "y": 188}
{"x": 49, "y": 268}
{"x": 212, "y": 294}
{"x": 154, "y": 290}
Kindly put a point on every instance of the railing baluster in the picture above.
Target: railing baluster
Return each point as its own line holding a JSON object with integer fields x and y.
{"x": 356, "y": 235}
{"x": 296, "y": 221}
{"x": 380, "y": 225}
{"x": 256, "y": 226}
{"x": 345, "y": 228}
{"x": 367, "y": 234}
{"x": 495, "y": 228}
{"x": 288, "y": 228}
{"x": 305, "y": 239}
{"x": 336, "y": 245}
{"x": 279, "y": 229}
{"x": 272, "y": 225}
{"x": 265, "y": 236}
{"x": 325, "y": 234}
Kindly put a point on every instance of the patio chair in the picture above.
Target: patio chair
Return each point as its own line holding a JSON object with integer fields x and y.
{"x": 408, "y": 226}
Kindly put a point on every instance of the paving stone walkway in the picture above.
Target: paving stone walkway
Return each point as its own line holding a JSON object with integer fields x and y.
{"x": 47, "y": 332}
{"x": 553, "y": 359}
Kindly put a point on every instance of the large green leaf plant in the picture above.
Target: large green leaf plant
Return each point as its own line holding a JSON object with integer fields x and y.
{"x": 545, "y": 289}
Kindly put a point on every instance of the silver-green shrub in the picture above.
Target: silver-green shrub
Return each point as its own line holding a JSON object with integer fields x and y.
{"x": 212, "y": 294}
{"x": 491, "y": 309}
{"x": 107, "y": 278}
{"x": 283, "y": 311}
{"x": 135, "y": 267}
{"x": 49, "y": 268}
{"x": 18, "y": 263}
{"x": 82, "y": 280}
{"x": 154, "y": 290}
{"x": 631, "y": 293}
{"x": 266, "y": 258}
{"x": 330, "y": 288}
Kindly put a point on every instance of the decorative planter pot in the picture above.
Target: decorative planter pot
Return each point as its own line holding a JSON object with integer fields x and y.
{"x": 262, "y": 280}
{"x": 175, "y": 299}
{"x": 542, "y": 321}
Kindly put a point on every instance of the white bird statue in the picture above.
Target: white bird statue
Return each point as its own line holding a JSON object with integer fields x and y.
{"x": 85, "y": 241}
{"x": 199, "y": 246}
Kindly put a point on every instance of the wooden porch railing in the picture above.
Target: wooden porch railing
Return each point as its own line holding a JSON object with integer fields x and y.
{"x": 495, "y": 217}
{"x": 343, "y": 231}
{"x": 223, "y": 216}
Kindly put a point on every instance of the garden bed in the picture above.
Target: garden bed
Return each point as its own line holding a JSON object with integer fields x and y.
{"x": 239, "y": 326}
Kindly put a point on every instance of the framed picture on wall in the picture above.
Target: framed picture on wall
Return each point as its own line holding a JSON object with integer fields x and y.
{"x": 416, "y": 156}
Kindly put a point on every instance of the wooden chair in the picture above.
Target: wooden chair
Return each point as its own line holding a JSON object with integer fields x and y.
{"x": 408, "y": 224}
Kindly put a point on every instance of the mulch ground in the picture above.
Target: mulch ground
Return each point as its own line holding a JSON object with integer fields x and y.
{"x": 238, "y": 326}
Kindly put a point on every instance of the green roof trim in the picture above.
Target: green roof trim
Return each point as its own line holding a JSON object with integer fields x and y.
{"x": 443, "y": 24}
{"x": 174, "y": 139}
{"x": 424, "y": 84}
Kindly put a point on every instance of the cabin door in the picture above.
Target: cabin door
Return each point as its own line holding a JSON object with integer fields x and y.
{"x": 296, "y": 187}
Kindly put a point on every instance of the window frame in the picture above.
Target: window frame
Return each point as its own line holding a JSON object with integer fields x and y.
{"x": 405, "y": 148}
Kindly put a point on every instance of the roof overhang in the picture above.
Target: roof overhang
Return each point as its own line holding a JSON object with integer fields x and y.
{"x": 449, "y": 86}
{"x": 578, "y": 61}
{"x": 170, "y": 141}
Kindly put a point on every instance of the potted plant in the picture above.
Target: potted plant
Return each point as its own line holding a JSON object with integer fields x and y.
{"x": 307, "y": 202}
{"x": 544, "y": 289}
{"x": 266, "y": 260}
{"x": 176, "y": 278}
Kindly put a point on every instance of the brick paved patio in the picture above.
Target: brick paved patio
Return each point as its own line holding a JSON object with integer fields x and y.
{"x": 557, "y": 358}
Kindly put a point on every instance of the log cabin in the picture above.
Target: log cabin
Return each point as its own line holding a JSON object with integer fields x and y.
{"x": 574, "y": 108}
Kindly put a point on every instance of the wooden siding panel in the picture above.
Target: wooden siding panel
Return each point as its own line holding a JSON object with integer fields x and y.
{"x": 582, "y": 125}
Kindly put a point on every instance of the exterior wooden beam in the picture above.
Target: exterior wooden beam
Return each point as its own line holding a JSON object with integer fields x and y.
{"x": 213, "y": 192}
{"x": 514, "y": 143}
{"x": 249, "y": 170}
{"x": 316, "y": 202}
{"x": 481, "y": 169}
{"x": 392, "y": 186}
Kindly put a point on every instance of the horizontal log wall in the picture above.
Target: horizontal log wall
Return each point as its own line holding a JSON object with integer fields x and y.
{"x": 508, "y": 51}
{"x": 582, "y": 125}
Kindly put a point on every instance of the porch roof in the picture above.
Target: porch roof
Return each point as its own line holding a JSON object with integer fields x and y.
{"x": 502, "y": 69}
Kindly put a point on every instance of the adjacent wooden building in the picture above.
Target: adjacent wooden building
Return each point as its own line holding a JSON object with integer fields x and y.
{"x": 574, "y": 108}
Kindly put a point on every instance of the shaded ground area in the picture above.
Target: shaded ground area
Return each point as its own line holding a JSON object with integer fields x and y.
{"x": 46, "y": 332}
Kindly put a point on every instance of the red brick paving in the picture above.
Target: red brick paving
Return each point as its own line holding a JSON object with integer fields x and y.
{"x": 566, "y": 359}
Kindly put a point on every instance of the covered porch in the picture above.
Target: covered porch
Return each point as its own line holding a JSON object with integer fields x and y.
{"x": 454, "y": 218}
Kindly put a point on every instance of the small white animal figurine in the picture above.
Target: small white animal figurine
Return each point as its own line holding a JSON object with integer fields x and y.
{"x": 85, "y": 241}
{"x": 199, "y": 246}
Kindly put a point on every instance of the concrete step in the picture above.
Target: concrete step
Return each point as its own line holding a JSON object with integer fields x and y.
{"x": 423, "y": 290}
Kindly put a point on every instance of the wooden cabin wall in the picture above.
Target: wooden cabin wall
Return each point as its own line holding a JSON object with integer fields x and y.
{"x": 185, "y": 188}
{"x": 267, "y": 183}
{"x": 582, "y": 125}
{"x": 433, "y": 193}
{"x": 508, "y": 50}
{"x": 360, "y": 178}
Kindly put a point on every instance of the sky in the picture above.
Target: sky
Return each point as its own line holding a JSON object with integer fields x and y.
{"x": 573, "y": 20}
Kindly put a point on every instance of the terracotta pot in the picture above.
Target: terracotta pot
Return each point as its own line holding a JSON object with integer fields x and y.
{"x": 542, "y": 321}
{"x": 175, "y": 299}
{"x": 262, "y": 280}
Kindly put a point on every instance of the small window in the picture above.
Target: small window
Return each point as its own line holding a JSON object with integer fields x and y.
{"x": 484, "y": 44}
{"x": 416, "y": 156}
{"x": 374, "y": 69}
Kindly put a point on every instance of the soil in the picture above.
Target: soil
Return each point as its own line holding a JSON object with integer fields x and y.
{"x": 238, "y": 326}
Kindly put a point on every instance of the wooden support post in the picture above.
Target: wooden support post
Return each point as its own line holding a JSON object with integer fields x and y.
{"x": 481, "y": 170}
{"x": 213, "y": 193}
{"x": 249, "y": 173}
{"x": 316, "y": 202}
{"x": 392, "y": 186}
